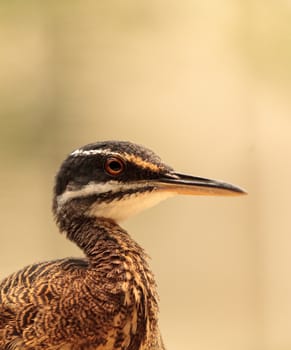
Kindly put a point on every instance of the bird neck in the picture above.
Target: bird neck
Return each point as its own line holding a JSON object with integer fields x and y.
{"x": 112, "y": 254}
{"x": 94, "y": 235}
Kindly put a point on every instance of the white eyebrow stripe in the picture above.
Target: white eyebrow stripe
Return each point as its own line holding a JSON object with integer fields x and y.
{"x": 90, "y": 152}
{"x": 135, "y": 159}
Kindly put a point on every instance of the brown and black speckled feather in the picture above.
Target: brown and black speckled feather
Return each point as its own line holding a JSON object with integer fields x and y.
{"x": 106, "y": 301}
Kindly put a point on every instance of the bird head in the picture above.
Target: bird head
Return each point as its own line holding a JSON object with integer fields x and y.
{"x": 117, "y": 179}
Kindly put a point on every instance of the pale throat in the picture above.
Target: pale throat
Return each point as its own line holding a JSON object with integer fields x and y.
{"x": 133, "y": 198}
{"x": 123, "y": 208}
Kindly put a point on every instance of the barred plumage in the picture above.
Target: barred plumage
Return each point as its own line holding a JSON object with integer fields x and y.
{"x": 55, "y": 304}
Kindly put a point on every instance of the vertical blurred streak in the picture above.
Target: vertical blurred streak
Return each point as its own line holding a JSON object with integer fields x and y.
{"x": 53, "y": 135}
{"x": 55, "y": 94}
{"x": 245, "y": 31}
{"x": 265, "y": 47}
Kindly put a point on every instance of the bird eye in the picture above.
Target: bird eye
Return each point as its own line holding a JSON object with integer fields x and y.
{"x": 114, "y": 166}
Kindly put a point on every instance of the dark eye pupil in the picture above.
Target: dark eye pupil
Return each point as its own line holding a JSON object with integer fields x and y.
{"x": 114, "y": 165}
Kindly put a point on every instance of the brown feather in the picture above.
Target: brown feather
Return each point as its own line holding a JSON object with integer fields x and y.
{"x": 106, "y": 301}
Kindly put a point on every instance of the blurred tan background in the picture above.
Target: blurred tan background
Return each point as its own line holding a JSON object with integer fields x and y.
{"x": 204, "y": 84}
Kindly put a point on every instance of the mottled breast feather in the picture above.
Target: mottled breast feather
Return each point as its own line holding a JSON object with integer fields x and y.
{"x": 108, "y": 302}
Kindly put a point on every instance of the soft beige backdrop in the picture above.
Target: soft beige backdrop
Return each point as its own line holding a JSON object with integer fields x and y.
{"x": 204, "y": 84}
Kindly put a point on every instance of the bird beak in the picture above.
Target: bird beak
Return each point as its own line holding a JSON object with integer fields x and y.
{"x": 192, "y": 185}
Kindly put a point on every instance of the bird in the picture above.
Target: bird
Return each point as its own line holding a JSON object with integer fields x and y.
{"x": 108, "y": 299}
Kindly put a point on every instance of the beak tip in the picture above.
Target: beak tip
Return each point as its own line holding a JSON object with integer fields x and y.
{"x": 232, "y": 189}
{"x": 193, "y": 185}
{"x": 241, "y": 192}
